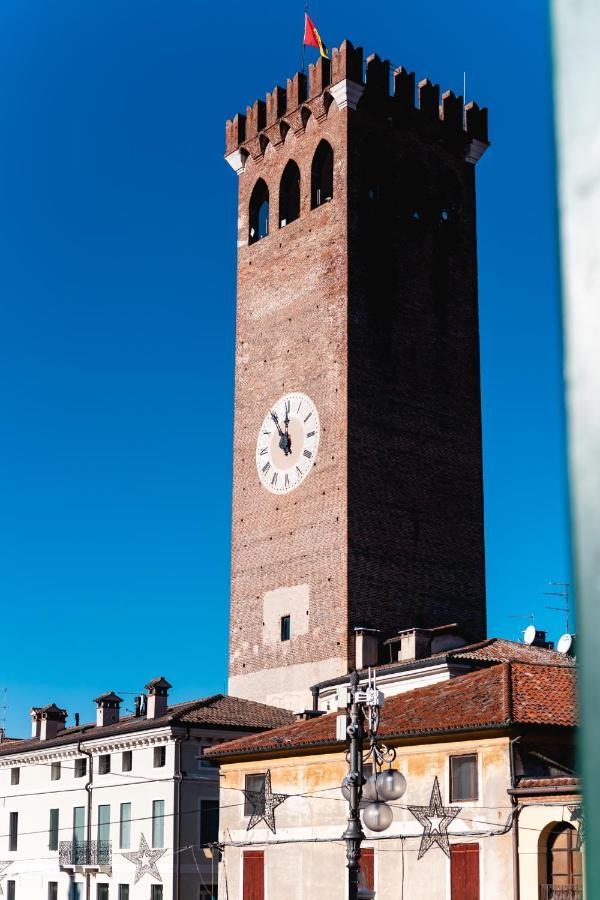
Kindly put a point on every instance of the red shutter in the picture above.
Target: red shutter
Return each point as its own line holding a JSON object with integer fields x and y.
{"x": 464, "y": 871}
{"x": 367, "y": 867}
{"x": 254, "y": 875}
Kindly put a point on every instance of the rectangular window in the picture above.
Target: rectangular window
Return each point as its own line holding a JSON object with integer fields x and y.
{"x": 160, "y": 757}
{"x": 80, "y": 768}
{"x": 158, "y": 823}
{"x": 15, "y": 776}
{"x": 254, "y": 875}
{"x": 463, "y": 778}
{"x": 253, "y": 783}
{"x": 101, "y": 892}
{"x": 104, "y": 764}
{"x": 78, "y": 824}
{"x": 286, "y": 627}
{"x": 53, "y": 830}
{"x": 76, "y": 890}
{"x": 11, "y": 890}
{"x": 156, "y": 892}
{"x": 55, "y": 771}
{"x": 126, "y": 762}
{"x": 209, "y": 821}
{"x": 123, "y": 892}
{"x": 125, "y": 828}
{"x": 103, "y": 824}
{"x": 13, "y": 831}
{"x": 53, "y": 890}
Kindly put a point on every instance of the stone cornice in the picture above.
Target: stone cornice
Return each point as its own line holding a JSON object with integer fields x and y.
{"x": 98, "y": 746}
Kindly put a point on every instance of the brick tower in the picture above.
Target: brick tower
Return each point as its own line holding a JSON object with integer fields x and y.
{"x": 357, "y": 486}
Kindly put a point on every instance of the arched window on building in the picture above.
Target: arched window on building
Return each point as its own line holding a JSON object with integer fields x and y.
{"x": 289, "y": 194}
{"x": 259, "y": 212}
{"x": 321, "y": 175}
{"x": 562, "y": 878}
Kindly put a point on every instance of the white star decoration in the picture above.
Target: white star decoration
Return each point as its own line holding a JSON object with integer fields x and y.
{"x": 264, "y": 804}
{"x": 4, "y": 864}
{"x": 145, "y": 860}
{"x": 435, "y": 820}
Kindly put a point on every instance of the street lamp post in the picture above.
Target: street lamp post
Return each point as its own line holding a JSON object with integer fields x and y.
{"x": 354, "y": 834}
{"x": 382, "y": 785}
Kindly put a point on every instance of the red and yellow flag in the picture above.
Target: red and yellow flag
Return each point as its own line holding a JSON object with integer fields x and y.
{"x": 312, "y": 38}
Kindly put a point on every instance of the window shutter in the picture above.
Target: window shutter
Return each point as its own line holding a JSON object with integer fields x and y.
{"x": 254, "y": 875}
{"x": 464, "y": 871}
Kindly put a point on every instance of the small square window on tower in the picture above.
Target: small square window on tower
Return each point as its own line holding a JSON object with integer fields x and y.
{"x": 286, "y": 628}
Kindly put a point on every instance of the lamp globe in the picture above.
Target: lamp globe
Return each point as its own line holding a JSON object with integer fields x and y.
{"x": 391, "y": 784}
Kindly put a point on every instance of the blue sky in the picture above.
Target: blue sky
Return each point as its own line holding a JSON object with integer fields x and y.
{"x": 117, "y": 277}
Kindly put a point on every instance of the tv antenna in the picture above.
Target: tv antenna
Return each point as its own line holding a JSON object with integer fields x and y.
{"x": 3, "y": 712}
{"x": 564, "y": 593}
{"x": 530, "y": 618}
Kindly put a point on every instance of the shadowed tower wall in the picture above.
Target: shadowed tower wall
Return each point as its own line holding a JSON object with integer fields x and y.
{"x": 367, "y": 304}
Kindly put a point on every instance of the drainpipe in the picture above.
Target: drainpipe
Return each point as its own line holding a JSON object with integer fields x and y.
{"x": 515, "y": 821}
{"x": 88, "y": 787}
{"x": 178, "y": 778}
{"x": 315, "y": 698}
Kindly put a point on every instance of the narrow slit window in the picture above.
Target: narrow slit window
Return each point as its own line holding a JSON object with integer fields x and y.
{"x": 322, "y": 175}
{"x": 259, "y": 212}
{"x": 289, "y": 194}
{"x": 286, "y": 628}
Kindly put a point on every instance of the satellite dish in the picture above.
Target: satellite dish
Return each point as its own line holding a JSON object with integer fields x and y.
{"x": 529, "y": 634}
{"x": 566, "y": 644}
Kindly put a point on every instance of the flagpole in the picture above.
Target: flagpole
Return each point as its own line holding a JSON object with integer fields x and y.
{"x": 303, "y": 44}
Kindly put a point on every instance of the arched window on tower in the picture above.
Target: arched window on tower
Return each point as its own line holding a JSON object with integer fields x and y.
{"x": 259, "y": 212}
{"x": 563, "y": 875}
{"x": 321, "y": 175}
{"x": 289, "y": 194}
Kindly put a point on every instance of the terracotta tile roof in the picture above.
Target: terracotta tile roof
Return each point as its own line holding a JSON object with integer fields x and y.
{"x": 498, "y": 695}
{"x": 501, "y": 650}
{"x": 566, "y": 781}
{"x": 217, "y": 711}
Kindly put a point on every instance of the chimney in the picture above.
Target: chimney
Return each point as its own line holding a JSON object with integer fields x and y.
{"x": 47, "y": 721}
{"x": 367, "y": 647}
{"x": 158, "y": 697}
{"x": 107, "y": 709}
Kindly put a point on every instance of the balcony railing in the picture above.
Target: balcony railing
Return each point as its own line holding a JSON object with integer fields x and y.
{"x": 85, "y": 853}
{"x": 565, "y": 892}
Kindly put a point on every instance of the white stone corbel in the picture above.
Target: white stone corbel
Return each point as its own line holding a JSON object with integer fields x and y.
{"x": 475, "y": 151}
{"x": 346, "y": 93}
{"x": 237, "y": 161}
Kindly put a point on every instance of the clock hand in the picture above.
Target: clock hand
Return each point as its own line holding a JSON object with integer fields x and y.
{"x": 276, "y": 420}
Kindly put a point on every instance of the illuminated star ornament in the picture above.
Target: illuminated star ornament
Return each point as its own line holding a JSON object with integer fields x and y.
{"x": 435, "y": 820}
{"x": 577, "y": 816}
{"x": 145, "y": 860}
{"x": 4, "y": 864}
{"x": 264, "y": 803}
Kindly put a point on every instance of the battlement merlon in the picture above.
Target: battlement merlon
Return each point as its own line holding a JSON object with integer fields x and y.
{"x": 344, "y": 80}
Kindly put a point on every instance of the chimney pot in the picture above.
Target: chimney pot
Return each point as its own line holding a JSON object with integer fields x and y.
{"x": 107, "y": 709}
{"x": 158, "y": 697}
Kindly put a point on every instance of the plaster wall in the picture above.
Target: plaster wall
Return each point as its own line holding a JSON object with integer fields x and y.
{"x": 315, "y": 813}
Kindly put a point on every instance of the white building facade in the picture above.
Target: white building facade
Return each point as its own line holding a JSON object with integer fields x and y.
{"x": 123, "y": 809}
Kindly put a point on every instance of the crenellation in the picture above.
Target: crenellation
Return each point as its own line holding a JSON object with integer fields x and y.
{"x": 345, "y": 82}
{"x": 319, "y": 77}
{"x": 451, "y": 110}
{"x": 347, "y": 63}
{"x": 378, "y": 75}
{"x": 235, "y": 132}
{"x": 296, "y": 91}
{"x": 276, "y": 105}
{"x": 404, "y": 88}
{"x": 256, "y": 118}
{"x": 429, "y": 99}
{"x": 476, "y": 122}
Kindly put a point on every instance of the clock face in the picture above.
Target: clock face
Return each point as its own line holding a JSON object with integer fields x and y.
{"x": 287, "y": 443}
